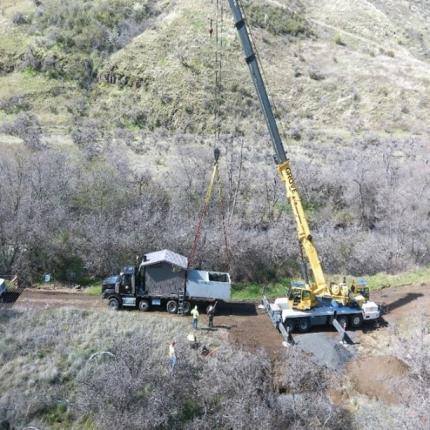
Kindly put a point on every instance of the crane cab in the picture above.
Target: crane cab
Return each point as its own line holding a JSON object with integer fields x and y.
{"x": 300, "y": 297}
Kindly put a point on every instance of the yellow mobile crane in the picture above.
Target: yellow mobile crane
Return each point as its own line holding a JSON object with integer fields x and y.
{"x": 329, "y": 300}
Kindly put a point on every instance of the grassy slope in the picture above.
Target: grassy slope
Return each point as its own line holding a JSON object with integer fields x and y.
{"x": 374, "y": 83}
{"x": 370, "y": 84}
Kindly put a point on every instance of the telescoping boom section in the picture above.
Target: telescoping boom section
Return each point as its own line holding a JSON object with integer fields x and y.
{"x": 319, "y": 287}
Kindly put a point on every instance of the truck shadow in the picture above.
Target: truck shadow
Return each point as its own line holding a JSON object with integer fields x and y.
{"x": 10, "y": 296}
{"x": 237, "y": 308}
{"x": 217, "y": 326}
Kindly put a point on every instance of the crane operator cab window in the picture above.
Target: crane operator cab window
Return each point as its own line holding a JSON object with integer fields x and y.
{"x": 306, "y": 299}
{"x": 364, "y": 291}
{"x": 301, "y": 298}
{"x": 296, "y": 295}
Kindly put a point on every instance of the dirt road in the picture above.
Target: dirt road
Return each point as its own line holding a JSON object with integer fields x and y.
{"x": 32, "y": 298}
{"x": 243, "y": 322}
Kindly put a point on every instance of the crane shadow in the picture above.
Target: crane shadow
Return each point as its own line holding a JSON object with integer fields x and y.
{"x": 402, "y": 301}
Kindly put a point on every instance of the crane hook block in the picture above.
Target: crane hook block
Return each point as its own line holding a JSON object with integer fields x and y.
{"x": 217, "y": 153}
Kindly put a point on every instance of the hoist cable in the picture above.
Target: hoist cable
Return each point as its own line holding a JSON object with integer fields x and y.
{"x": 203, "y": 210}
{"x": 218, "y": 90}
{"x": 219, "y": 29}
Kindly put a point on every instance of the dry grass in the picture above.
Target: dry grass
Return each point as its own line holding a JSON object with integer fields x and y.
{"x": 54, "y": 377}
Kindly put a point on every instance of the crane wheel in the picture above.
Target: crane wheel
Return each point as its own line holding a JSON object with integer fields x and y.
{"x": 343, "y": 321}
{"x": 289, "y": 326}
{"x": 113, "y": 304}
{"x": 143, "y": 305}
{"x": 172, "y": 306}
{"x": 304, "y": 325}
{"x": 356, "y": 320}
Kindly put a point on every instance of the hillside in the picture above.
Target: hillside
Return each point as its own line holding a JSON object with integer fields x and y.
{"x": 354, "y": 67}
{"x": 135, "y": 81}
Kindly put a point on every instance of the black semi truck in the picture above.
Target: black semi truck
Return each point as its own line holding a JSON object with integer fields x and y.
{"x": 162, "y": 280}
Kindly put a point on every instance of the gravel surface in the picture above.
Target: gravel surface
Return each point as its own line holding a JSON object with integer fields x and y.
{"x": 326, "y": 349}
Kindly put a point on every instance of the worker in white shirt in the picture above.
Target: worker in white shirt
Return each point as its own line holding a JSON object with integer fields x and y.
{"x": 195, "y": 314}
{"x": 172, "y": 356}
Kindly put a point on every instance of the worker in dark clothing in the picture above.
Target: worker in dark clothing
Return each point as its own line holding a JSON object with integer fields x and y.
{"x": 344, "y": 335}
{"x": 290, "y": 338}
{"x": 211, "y": 315}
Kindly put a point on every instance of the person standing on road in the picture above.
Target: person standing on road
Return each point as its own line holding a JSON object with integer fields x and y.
{"x": 290, "y": 338}
{"x": 195, "y": 314}
{"x": 344, "y": 335}
{"x": 211, "y": 315}
{"x": 172, "y": 355}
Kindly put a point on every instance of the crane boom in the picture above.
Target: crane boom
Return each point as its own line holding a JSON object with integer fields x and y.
{"x": 281, "y": 159}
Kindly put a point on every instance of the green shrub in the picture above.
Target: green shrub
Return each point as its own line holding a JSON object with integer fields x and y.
{"x": 277, "y": 20}
{"x": 103, "y": 25}
{"x": 74, "y": 37}
{"x": 58, "y": 416}
{"x": 338, "y": 40}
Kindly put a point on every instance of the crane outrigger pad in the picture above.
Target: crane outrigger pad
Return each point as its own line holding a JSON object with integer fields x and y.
{"x": 344, "y": 335}
{"x": 275, "y": 317}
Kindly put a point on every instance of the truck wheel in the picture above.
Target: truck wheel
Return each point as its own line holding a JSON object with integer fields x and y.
{"x": 113, "y": 304}
{"x": 304, "y": 325}
{"x": 343, "y": 321}
{"x": 172, "y": 307}
{"x": 186, "y": 307}
{"x": 356, "y": 320}
{"x": 289, "y": 326}
{"x": 143, "y": 305}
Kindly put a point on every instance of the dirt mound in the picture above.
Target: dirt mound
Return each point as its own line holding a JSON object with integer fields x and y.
{"x": 378, "y": 377}
{"x": 252, "y": 332}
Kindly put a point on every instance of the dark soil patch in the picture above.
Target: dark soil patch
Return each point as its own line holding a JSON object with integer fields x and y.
{"x": 378, "y": 377}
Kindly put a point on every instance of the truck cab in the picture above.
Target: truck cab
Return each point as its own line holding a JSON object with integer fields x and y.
{"x": 120, "y": 289}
